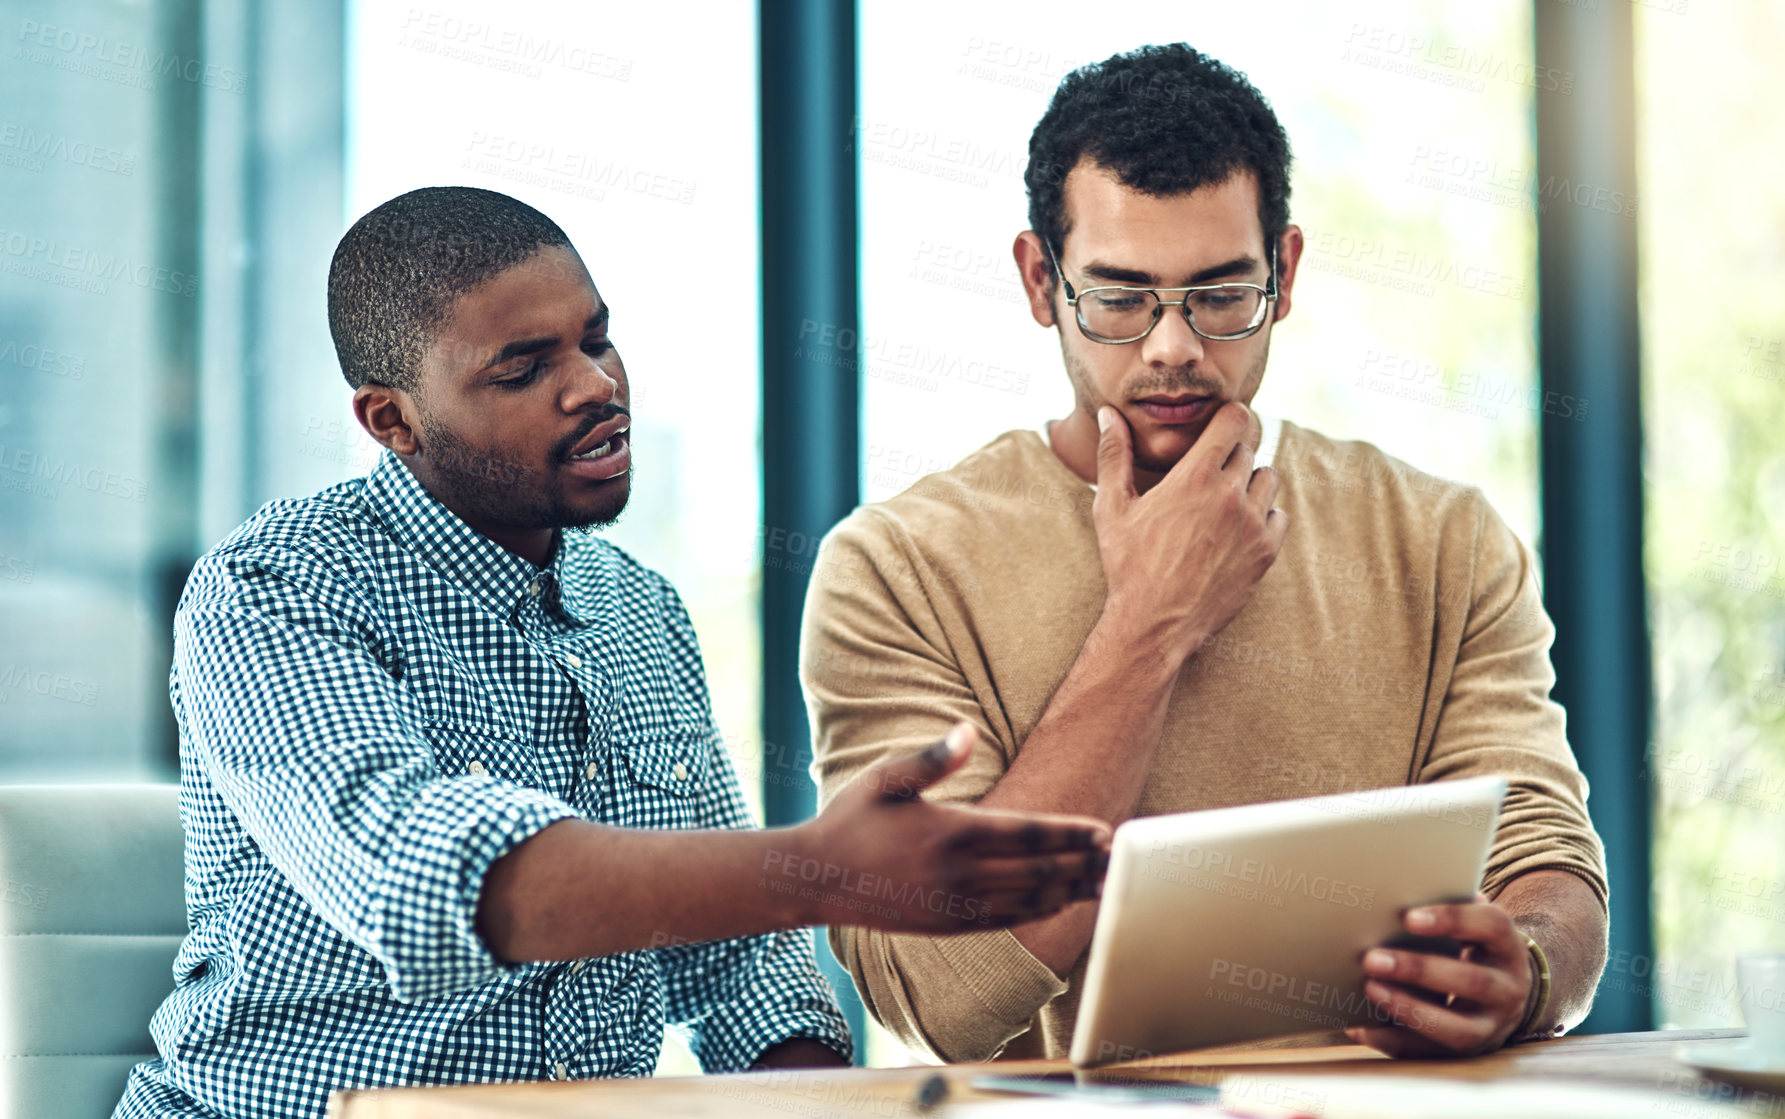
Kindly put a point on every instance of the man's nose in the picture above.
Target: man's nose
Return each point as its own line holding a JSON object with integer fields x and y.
{"x": 589, "y": 385}
{"x": 1172, "y": 342}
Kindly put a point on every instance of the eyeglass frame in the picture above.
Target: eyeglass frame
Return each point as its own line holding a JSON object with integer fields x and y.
{"x": 1160, "y": 304}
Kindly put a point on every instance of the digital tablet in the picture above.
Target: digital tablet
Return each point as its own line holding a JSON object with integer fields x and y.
{"x": 1239, "y": 923}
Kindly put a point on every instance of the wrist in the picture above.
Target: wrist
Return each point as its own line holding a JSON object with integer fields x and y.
{"x": 1537, "y": 1001}
{"x": 1151, "y": 638}
{"x": 800, "y": 1052}
{"x": 786, "y": 852}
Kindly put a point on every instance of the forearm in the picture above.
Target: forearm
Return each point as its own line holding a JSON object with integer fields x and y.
{"x": 577, "y": 889}
{"x": 1563, "y": 914}
{"x": 800, "y": 1052}
{"x": 1090, "y": 755}
{"x": 1093, "y": 747}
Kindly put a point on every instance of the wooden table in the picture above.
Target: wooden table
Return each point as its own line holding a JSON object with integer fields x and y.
{"x": 1642, "y": 1060}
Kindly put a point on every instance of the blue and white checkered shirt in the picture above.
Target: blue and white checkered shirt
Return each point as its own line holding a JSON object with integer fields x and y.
{"x": 375, "y": 703}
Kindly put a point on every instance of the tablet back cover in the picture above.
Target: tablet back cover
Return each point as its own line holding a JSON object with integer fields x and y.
{"x": 1248, "y": 922}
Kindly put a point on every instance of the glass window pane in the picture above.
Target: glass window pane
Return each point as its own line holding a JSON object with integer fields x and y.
{"x": 605, "y": 118}
{"x": 98, "y": 296}
{"x": 1710, "y": 157}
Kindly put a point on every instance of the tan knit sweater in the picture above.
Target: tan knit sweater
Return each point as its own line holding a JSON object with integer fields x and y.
{"x": 1398, "y": 638}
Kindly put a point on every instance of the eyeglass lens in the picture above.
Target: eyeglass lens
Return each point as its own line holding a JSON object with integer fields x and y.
{"x": 1127, "y": 313}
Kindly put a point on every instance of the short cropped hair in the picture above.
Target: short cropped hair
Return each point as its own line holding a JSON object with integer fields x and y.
{"x": 1167, "y": 120}
{"x": 398, "y": 270}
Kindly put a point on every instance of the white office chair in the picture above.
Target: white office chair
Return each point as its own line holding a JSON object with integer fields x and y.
{"x": 92, "y": 909}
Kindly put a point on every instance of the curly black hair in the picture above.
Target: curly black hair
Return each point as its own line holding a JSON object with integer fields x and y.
{"x": 1167, "y": 120}
{"x": 398, "y": 270}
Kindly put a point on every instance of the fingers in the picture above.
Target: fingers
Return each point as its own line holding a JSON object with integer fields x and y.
{"x": 1015, "y": 896}
{"x": 1227, "y": 430}
{"x": 1276, "y": 522}
{"x": 1478, "y": 922}
{"x": 1261, "y": 492}
{"x": 1009, "y": 890}
{"x": 984, "y": 834}
{"x": 1394, "y": 1041}
{"x": 1073, "y": 870}
{"x": 1115, "y": 455}
{"x": 1477, "y": 984}
{"x": 1451, "y": 1030}
{"x": 904, "y": 778}
{"x": 1442, "y": 1004}
{"x": 1006, "y": 871}
{"x": 1245, "y": 451}
{"x": 1261, "y": 489}
{"x": 1010, "y": 907}
{"x": 1239, "y": 460}
{"x": 912, "y": 908}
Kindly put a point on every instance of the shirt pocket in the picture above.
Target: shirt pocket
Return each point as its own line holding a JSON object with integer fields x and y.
{"x": 467, "y": 750}
{"x": 666, "y": 779}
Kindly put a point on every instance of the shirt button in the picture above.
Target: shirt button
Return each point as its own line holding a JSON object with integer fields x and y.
{"x": 533, "y": 589}
{"x": 681, "y": 772}
{"x": 573, "y": 660}
{"x": 475, "y": 769}
{"x": 560, "y": 1072}
{"x": 592, "y": 772}
{"x": 577, "y": 967}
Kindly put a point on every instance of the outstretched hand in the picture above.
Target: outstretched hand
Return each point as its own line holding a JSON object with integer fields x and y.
{"x": 880, "y": 856}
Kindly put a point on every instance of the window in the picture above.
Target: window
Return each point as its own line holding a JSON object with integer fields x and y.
{"x": 1714, "y": 400}
{"x": 606, "y": 119}
{"x": 100, "y": 292}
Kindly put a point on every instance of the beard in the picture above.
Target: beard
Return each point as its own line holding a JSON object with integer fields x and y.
{"x": 496, "y": 488}
{"x": 1184, "y": 379}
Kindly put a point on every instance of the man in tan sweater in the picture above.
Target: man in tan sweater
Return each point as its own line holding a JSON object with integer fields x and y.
{"x": 1163, "y": 603}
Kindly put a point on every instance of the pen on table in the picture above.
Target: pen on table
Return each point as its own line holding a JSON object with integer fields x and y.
{"x": 931, "y": 1092}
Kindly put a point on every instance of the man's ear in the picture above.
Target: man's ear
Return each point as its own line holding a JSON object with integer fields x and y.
{"x": 1037, "y": 271}
{"x": 1289, "y": 255}
{"x": 388, "y": 415}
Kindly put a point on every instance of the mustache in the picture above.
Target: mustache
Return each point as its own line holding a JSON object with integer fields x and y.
{"x": 562, "y": 447}
{"x": 1175, "y": 380}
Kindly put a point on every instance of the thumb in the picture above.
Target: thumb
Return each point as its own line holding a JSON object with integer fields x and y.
{"x": 906, "y": 777}
{"x": 1115, "y": 454}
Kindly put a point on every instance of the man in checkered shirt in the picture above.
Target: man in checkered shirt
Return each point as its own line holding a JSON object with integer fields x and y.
{"x": 456, "y": 809}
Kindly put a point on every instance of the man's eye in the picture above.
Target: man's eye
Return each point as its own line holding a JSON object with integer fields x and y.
{"x": 595, "y": 347}
{"x": 524, "y": 378}
{"x": 1123, "y": 301}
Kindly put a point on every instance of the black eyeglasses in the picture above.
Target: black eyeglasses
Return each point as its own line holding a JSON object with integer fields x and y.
{"x": 1116, "y": 315}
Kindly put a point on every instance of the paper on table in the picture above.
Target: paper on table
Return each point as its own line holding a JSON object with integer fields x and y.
{"x": 1066, "y": 1107}
{"x": 1399, "y": 1097}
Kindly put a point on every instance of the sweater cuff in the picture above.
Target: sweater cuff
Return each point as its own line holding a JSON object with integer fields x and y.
{"x": 1004, "y": 976}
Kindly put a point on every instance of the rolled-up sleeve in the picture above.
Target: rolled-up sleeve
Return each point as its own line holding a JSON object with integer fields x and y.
{"x": 741, "y": 997}
{"x": 321, "y": 755}
{"x": 1498, "y": 720}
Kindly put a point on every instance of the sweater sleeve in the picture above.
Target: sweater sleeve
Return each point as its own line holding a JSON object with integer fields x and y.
{"x": 881, "y": 680}
{"x": 1498, "y": 719}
